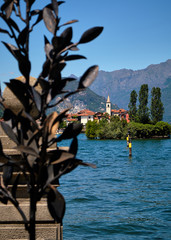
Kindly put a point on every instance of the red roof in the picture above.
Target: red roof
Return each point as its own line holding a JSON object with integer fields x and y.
{"x": 115, "y": 111}
{"x": 121, "y": 110}
{"x": 72, "y": 119}
{"x": 86, "y": 112}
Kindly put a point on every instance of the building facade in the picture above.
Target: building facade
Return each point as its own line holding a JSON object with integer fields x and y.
{"x": 87, "y": 115}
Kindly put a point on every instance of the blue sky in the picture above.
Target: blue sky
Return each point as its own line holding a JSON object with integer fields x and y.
{"x": 136, "y": 33}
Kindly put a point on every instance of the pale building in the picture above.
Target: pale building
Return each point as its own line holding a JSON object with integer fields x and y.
{"x": 85, "y": 115}
{"x": 108, "y": 106}
{"x": 121, "y": 113}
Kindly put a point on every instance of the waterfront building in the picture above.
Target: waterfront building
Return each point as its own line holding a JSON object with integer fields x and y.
{"x": 86, "y": 115}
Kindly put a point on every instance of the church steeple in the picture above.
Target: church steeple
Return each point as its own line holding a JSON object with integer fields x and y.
{"x": 108, "y": 106}
{"x": 108, "y": 99}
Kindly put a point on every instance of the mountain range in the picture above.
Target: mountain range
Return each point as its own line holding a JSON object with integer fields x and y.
{"x": 119, "y": 84}
{"x": 86, "y": 99}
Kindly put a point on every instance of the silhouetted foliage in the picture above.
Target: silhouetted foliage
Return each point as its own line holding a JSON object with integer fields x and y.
{"x": 32, "y": 131}
{"x": 132, "y": 106}
{"x": 105, "y": 129}
{"x": 157, "y": 108}
{"x": 140, "y": 130}
{"x": 143, "y": 115}
{"x": 143, "y": 111}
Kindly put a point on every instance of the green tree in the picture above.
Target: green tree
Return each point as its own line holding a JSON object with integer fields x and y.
{"x": 143, "y": 111}
{"x": 162, "y": 128}
{"x": 139, "y": 130}
{"x": 91, "y": 129}
{"x": 115, "y": 129}
{"x": 157, "y": 108}
{"x": 62, "y": 125}
{"x": 132, "y": 106}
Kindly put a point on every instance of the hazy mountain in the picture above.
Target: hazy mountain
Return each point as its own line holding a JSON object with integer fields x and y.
{"x": 84, "y": 100}
{"x": 119, "y": 84}
{"x": 166, "y": 99}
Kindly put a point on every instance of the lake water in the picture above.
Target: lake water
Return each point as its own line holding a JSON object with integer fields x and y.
{"x": 122, "y": 198}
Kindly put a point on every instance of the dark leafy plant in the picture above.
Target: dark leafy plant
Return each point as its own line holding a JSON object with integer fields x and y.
{"x": 32, "y": 131}
{"x": 140, "y": 130}
{"x": 156, "y": 108}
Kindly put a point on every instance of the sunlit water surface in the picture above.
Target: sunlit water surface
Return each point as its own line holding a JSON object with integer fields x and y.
{"x": 122, "y": 198}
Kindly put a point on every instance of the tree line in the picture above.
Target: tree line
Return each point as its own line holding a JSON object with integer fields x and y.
{"x": 118, "y": 129}
{"x": 142, "y": 113}
{"x": 145, "y": 122}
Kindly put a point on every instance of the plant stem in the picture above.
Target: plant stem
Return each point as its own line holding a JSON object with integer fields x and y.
{"x": 32, "y": 229}
{"x": 27, "y": 40}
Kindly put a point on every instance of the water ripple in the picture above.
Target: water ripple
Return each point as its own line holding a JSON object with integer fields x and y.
{"x": 123, "y": 198}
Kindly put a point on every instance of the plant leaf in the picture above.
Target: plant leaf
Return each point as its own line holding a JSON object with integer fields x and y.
{"x": 7, "y": 174}
{"x": 71, "y": 131}
{"x": 55, "y": 75}
{"x": 4, "y": 31}
{"x": 27, "y": 150}
{"x": 24, "y": 66}
{"x": 8, "y": 7}
{"x": 69, "y": 79}
{"x": 31, "y": 119}
{"x": 10, "y": 22}
{"x": 50, "y": 123}
{"x": 74, "y": 57}
{"x": 80, "y": 162}
{"x": 23, "y": 62}
{"x": 88, "y": 77}
{"x": 37, "y": 99}
{"x": 9, "y": 132}
{"x": 19, "y": 89}
{"x": 61, "y": 115}
{"x": 3, "y": 158}
{"x": 55, "y": 7}
{"x": 74, "y": 146}
{"x": 49, "y": 51}
{"x": 69, "y": 22}
{"x": 23, "y": 36}
{"x": 74, "y": 163}
{"x": 56, "y": 204}
{"x": 45, "y": 69}
{"x": 66, "y": 35}
{"x": 90, "y": 34}
{"x": 39, "y": 18}
{"x": 13, "y": 24}
{"x": 49, "y": 20}
{"x": 11, "y": 48}
{"x": 59, "y": 156}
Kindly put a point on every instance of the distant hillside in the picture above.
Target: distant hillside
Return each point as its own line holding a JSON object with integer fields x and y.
{"x": 166, "y": 99}
{"x": 119, "y": 84}
{"x": 84, "y": 100}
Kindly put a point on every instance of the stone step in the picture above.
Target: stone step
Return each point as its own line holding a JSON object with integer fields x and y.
{"x": 10, "y": 214}
{"x": 43, "y": 232}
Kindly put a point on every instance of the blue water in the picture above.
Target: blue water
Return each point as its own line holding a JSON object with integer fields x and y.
{"x": 122, "y": 198}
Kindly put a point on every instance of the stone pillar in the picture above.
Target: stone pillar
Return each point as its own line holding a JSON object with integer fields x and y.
{"x": 11, "y": 225}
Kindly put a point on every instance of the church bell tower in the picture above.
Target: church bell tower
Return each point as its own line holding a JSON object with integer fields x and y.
{"x": 108, "y": 106}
